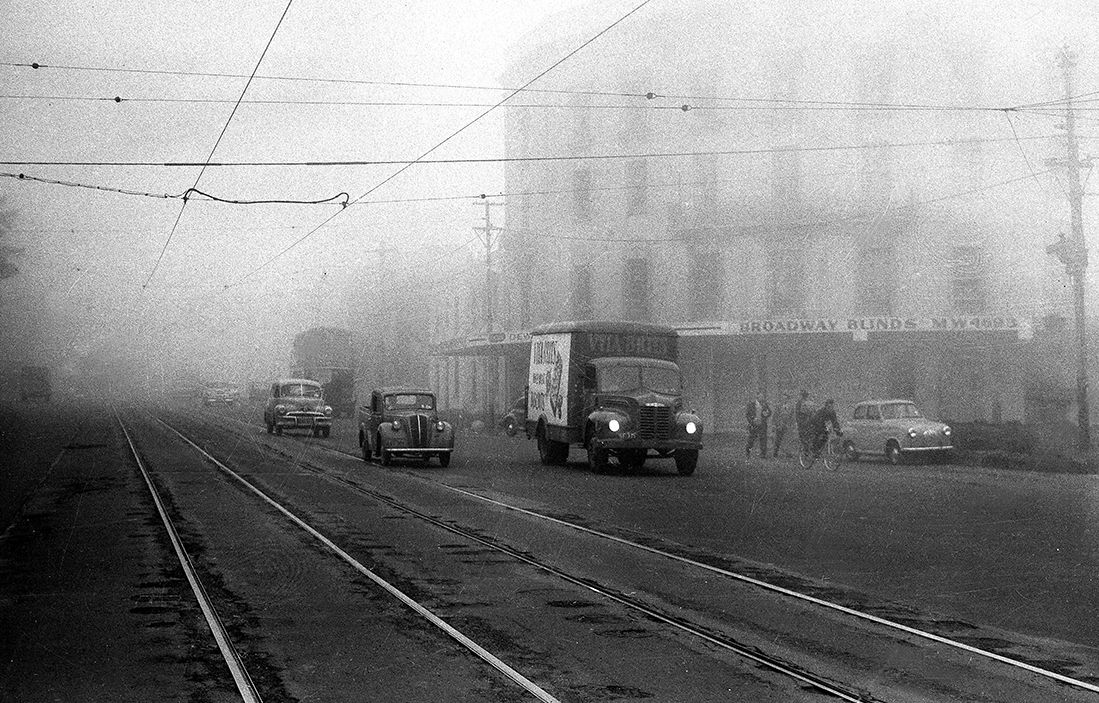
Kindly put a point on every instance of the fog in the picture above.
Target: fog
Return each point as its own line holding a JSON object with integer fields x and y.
{"x": 147, "y": 294}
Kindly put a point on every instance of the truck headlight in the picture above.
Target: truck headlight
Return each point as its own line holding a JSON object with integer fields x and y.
{"x": 947, "y": 431}
{"x": 614, "y": 425}
{"x": 691, "y": 427}
{"x": 396, "y": 425}
{"x": 912, "y": 432}
{"x": 439, "y": 426}
{"x": 328, "y": 410}
{"x": 280, "y": 409}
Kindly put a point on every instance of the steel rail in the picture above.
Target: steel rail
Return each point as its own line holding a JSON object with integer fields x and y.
{"x": 243, "y": 681}
{"x": 884, "y": 622}
{"x": 465, "y": 641}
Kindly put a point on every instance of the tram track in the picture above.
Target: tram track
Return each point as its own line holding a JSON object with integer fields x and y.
{"x": 804, "y": 677}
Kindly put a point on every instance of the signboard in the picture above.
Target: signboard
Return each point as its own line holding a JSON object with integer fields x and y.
{"x": 861, "y": 327}
{"x": 549, "y": 370}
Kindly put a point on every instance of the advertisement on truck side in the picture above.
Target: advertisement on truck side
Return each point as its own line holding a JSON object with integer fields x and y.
{"x": 549, "y": 377}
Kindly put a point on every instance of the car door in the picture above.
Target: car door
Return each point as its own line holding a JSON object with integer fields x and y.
{"x": 856, "y": 432}
{"x": 876, "y": 431}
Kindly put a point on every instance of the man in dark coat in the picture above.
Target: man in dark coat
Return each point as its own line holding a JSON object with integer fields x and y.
{"x": 757, "y": 413}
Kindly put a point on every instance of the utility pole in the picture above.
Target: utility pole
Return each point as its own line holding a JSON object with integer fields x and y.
{"x": 1073, "y": 252}
{"x": 488, "y": 238}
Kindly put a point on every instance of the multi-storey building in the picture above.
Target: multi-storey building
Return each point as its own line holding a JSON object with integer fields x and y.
{"x": 816, "y": 200}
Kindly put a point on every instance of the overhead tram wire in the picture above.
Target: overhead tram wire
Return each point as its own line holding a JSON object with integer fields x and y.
{"x": 649, "y": 95}
{"x": 461, "y": 129}
{"x": 516, "y": 159}
{"x": 183, "y": 207}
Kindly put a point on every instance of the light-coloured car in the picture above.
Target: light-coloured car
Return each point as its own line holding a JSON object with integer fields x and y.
{"x": 297, "y": 403}
{"x": 894, "y": 429}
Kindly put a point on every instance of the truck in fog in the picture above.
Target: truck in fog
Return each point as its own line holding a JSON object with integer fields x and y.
{"x": 325, "y": 355}
{"x": 613, "y": 388}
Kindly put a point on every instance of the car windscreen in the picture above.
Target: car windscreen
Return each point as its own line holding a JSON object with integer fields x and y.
{"x": 899, "y": 410}
{"x": 621, "y": 379}
{"x": 410, "y": 401}
{"x": 299, "y": 390}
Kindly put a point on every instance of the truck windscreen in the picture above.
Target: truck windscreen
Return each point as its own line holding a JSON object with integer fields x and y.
{"x": 621, "y": 379}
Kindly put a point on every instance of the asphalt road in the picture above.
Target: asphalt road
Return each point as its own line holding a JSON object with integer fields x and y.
{"x": 998, "y": 558}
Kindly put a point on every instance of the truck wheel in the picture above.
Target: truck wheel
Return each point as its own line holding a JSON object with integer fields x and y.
{"x": 270, "y": 428}
{"x": 685, "y": 461}
{"x": 366, "y": 450}
{"x": 597, "y": 459}
{"x": 444, "y": 459}
{"x": 326, "y": 431}
{"x": 552, "y": 453}
{"x": 386, "y": 458}
{"x": 316, "y": 432}
{"x": 278, "y": 430}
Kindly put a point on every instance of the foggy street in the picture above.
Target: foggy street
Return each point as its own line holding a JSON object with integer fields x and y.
{"x": 556, "y": 350}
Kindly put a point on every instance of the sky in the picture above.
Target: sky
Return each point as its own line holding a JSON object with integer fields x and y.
{"x": 152, "y": 274}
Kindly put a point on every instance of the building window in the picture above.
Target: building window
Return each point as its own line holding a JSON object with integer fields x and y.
{"x": 708, "y": 285}
{"x": 581, "y": 185}
{"x": 582, "y": 305}
{"x": 786, "y": 180}
{"x": 637, "y": 176}
{"x": 969, "y": 279}
{"x": 786, "y": 281}
{"x": 636, "y": 291}
{"x": 876, "y": 273}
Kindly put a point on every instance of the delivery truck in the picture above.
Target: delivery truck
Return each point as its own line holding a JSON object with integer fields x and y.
{"x": 613, "y": 389}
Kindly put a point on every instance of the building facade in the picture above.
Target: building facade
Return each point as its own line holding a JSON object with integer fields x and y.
{"x": 797, "y": 208}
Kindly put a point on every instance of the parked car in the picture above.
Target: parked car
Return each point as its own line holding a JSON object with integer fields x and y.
{"x": 894, "y": 429}
{"x": 404, "y": 422}
{"x": 516, "y": 417}
{"x": 297, "y": 403}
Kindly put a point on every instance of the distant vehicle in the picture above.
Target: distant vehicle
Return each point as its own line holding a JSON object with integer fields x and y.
{"x": 894, "y": 429}
{"x": 404, "y": 422}
{"x": 516, "y": 417}
{"x": 613, "y": 388}
{"x": 34, "y": 382}
{"x": 325, "y": 354}
{"x": 219, "y": 393}
{"x": 297, "y": 403}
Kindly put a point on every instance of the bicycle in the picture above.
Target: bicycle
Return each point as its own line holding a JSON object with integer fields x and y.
{"x": 833, "y": 453}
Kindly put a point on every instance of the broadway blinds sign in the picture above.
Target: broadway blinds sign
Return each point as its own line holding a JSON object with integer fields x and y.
{"x": 861, "y": 327}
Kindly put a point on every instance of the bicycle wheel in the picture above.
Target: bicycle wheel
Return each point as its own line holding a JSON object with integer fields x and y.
{"x": 833, "y": 453}
{"x": 805, "y": 457}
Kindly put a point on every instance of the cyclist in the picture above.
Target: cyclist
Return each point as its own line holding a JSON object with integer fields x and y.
{"x": 818, "y": 426}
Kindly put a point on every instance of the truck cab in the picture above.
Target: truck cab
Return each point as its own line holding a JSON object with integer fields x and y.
{"x": 614, "y": 389}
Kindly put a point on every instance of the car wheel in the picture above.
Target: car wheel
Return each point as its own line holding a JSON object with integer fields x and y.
{"x": 270, "y": 428}
{"x": 685, "y": 461}
{"x": 326, "y": 431}
{"x": 366, "y": 450}
{"x": 444, "y": 459}
{"x": 893, "y": 453}
{"x": 850, "y": 451}
{"x": 387, "y": 459}
{"x": 597, "y": 459}
{"x": 510, "y": 428}
{"x": 316, "y": 432}
{"x": 278, "y": 430}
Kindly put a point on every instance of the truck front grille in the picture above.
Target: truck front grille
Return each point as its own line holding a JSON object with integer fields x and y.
{"x": 656, "y": 422}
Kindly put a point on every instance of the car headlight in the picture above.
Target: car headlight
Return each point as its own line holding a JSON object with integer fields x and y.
{"x": 280, "y": 409}
{"x": 614, "y": 425}
{"x": 328, "y": 410}
{"x": 439, "y": 426}
{"x": 396, "y": 425}
{"x": 912, "y": 432}
{"x": 947, "y": 431}
{"x": 691, "y": 427}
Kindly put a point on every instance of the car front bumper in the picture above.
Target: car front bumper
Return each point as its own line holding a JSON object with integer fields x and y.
{"x": 936, "y": 448}
{"x": 302, "y": 421}
{"x": 660, "y": 445}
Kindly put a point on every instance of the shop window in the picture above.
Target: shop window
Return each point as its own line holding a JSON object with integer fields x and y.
{"x": 636, "y": 290}
{"x": 969, "y": 279}
{"x": 786, "y": 281}
{"x": 708, "y": 285}
{"x": 582, "y": 305}
{"x": 876, "y": 276}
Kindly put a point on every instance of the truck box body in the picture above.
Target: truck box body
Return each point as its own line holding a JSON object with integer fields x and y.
{"x": 611, "y": 387}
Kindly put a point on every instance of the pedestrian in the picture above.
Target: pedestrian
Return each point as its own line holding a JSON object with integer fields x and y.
{"x": 757, "y": 414}
{"x": 783, "y": 417}
{"x": 803, "y": 410}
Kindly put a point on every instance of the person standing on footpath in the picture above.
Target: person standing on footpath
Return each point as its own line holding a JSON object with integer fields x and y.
{"x": 783, "y": 417}
{"x": 757, "y": 413}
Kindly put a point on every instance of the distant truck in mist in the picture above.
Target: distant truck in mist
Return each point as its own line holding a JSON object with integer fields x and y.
{"x": 325, "y": 354}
